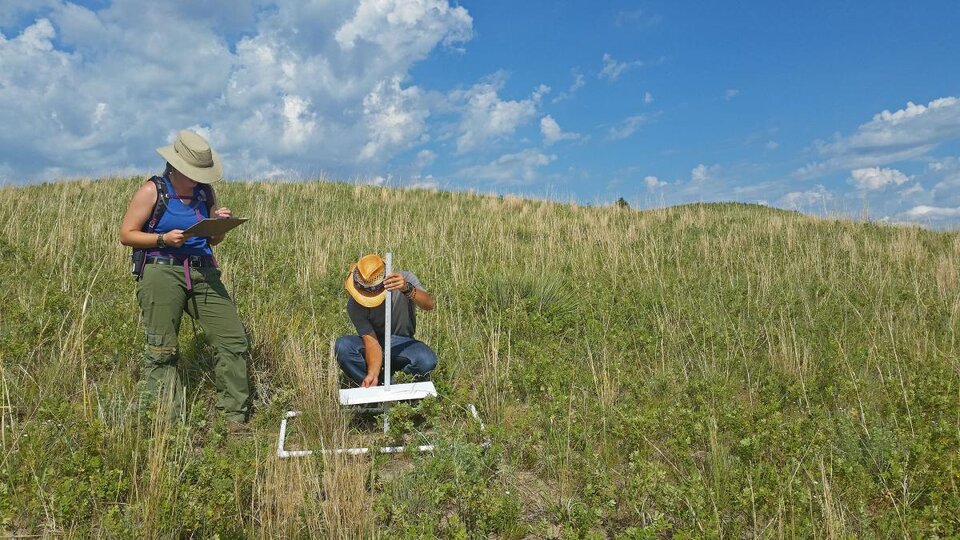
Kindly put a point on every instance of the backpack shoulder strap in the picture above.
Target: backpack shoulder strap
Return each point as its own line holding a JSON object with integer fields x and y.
{"x": 160, "y": 206}
{"x": 138, "y": 257}
{"x": 207, "y": 197}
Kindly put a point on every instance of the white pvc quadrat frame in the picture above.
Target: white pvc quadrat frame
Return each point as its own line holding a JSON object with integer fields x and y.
{"x": 283, "y": 453}
{"x": 377, "y": 394}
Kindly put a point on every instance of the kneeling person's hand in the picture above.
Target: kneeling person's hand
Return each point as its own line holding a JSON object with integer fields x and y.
{"x": 395, "y": 282}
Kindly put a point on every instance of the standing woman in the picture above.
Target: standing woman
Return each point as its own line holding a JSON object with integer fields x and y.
{"x": 180, "y": 274}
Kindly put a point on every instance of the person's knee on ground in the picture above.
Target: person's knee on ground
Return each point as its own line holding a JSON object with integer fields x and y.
{"x": 349, "y": 353}
{"x": 343, "y": 347}
{"x": 422, "y": 362}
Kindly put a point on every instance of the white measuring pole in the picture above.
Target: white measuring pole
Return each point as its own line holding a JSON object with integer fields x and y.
{"x": 387, "y": 327}
{"x": 387, "y": 332}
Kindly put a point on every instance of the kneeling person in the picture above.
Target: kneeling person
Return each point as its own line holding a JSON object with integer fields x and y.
{"x": 361, "y": 356}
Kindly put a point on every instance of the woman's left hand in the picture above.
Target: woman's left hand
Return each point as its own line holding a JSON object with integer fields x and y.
{"x": 223, "y": 212}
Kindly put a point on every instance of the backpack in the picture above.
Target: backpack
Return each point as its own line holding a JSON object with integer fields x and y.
{"x": 139, "y": 256}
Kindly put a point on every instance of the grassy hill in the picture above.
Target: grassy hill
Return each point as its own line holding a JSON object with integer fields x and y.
{"x": 709, "y": 370}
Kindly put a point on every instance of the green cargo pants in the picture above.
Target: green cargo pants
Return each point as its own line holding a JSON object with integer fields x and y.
{"x": 163, "y": 296}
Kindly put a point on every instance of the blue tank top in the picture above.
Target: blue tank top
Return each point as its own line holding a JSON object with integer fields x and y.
{"x": 181, "y": 214}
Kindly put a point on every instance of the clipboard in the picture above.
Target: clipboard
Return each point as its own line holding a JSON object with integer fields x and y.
{"x": 213, "y": 227}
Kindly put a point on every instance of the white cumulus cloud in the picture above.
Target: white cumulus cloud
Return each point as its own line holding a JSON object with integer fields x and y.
{"x": 403, "y": 28}
{"x": 875, "y": 178}
{"x": 814, "y": 199}
{"x": 306, "y": 85}
{"x": 396, "y": 119}
{"x": 552, "y": 133}
{"x": 653, "y": 182}
{"x": 518, "y": 168}
{"x": 703, "y": 173}
{"x": 425, "y": 158}
{"x": 905, "y": 134}
{"x": 299, "y": 121}
{"x": 427, "y": 182}
{"x": 486, "y": 117}
{"x": 932, "y": 212}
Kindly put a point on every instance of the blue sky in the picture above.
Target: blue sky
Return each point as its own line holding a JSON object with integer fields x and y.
{"x": 825, "y": 107}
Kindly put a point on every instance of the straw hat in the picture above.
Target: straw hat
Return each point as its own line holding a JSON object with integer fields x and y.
{"x": 191, "y": 155}
{"x": 365, "y": 280}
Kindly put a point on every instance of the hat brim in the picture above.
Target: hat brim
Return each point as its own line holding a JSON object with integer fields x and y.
{"x": 202, "y": 175}
{"x": 363, "y": 298}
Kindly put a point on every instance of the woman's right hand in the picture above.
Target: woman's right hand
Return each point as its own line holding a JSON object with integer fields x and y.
{"x": 174, "y": 238}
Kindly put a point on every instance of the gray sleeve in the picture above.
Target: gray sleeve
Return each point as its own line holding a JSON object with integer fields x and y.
{"x": 360, "y": 319}
{"x": 412, "y": 279}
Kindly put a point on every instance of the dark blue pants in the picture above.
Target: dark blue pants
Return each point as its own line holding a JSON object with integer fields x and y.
{"x": 406, "y": 354}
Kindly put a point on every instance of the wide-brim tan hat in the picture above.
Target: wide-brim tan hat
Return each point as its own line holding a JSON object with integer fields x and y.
{"x": 365, "y": 280}
{"x": 191, "y": 155}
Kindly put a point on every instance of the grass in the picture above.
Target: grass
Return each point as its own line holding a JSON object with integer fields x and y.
{"x": 712, "y": 370}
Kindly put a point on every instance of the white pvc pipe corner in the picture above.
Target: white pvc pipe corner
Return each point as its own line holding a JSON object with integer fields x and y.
{"x": 284, "y": 453}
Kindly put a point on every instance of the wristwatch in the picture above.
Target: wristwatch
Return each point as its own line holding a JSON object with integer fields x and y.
{"x": 408, "y": 289}
{"x": 160, "y": 243}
